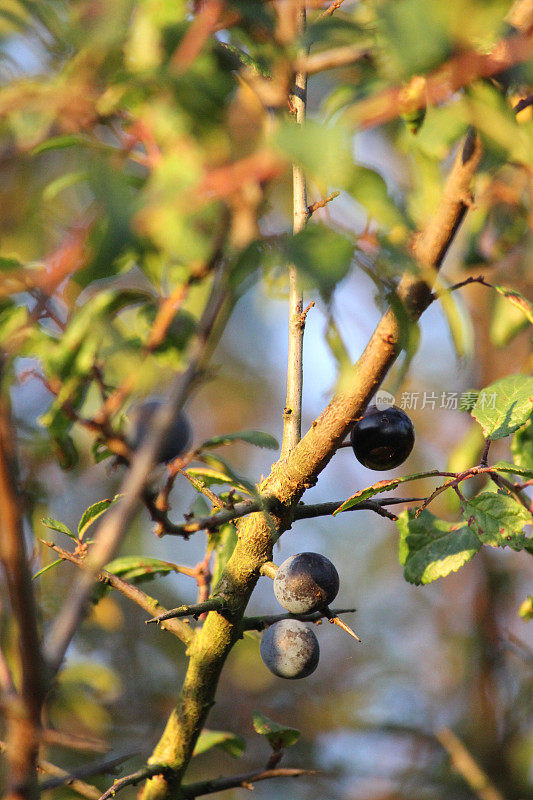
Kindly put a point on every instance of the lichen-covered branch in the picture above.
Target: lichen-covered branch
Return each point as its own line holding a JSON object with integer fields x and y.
{"x": 292, "y": 475}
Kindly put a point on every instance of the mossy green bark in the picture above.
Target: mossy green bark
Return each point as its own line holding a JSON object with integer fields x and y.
{"x": 289, "y": 479}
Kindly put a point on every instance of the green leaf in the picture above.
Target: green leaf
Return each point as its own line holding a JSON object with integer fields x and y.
{"x": 60, "y": 142}
{"x": 258, "y": 438}
{"x": 468, "y": 400}
{"x": 431, "y": 548}
{"x": 75, "y": 352}
{"x": 55, "y": 187}
{"x": 526, "y": 608}
{"x": 9, "y": 264}
{"x": 498, "y": 520}
{"x": 409, "y": 334}
{"x": 92, "y": 513}
{"x": 211, "y": 477}
{"x": 379, "y": 488}
{"x": 230, "y": 742}
{"x": 370, "y": 190}
{"x": 221, "y": 465}
{"x": 56, "y": 525}
{"x": 514, "y": 469}
{"x": 137, "y": 569}
{"x": 507, "y": 321}
{"x": 516, "y": 299}
{"x": 247, "y": 263}
{"x": 223, "y": 543}
{"x": 522, "y": 446}
{"x": 320, "y": 254}
{"x": 47, "y": 567}
{"x": 504, "y": 406}
{"x": 64, "y": 449}
{"x": 324, "y": 151}
{"x": 279, "y": 736}
{"x": 100, "y": 451}
{"x": 414, "y": 37}
{"x": 460, "y": 325}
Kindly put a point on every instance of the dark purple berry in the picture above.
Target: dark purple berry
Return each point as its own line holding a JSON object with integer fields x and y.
{"x": 383, "y": 438}
{"x": 290, "y": 649}
{"x": 306, "y": 582}
{"x": 176, "y": 440}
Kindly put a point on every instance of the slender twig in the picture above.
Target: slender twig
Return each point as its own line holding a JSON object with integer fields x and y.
{"x": 483, "y": 461}
{"x": 511, "y": 488}
{"x": 149, "y": 604}
{"x": 324, "y": 509}
{"x": 220, "y": 518}
{"x": 245, "y": 781}
{"x": 24, "y": 713}
{"x": 331, "y": 9}
{"x": 332, "y": 59}
{"x": 260, "y": 623}
{"x": 525, "y": 102}
{"x": 272, "y": 504}
{"x": 467, "y": 281}
{"x": 114, "y": 524}
{"x": 467, "y": 767}
{"x": 200, "y": 486}
{"x": 292, "y": 414}
{"x": 458, "y": 478}
{"x": 64, "y": 778}
{"x": 98, "y": 768}
{"x": 136, "y": 777}
{"x": 481, "y": 469}
{"x": 212, "y": 604}
{"x": 83, "y": 789}
{"x": 321, "y": 204}
{"x": 70, "y": 741}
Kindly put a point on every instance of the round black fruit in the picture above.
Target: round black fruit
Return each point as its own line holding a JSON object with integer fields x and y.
{"x": 306, "y": 582}
{"x": 176, "y": 440}
{"x": 383, "y": 438}
{"x": 290, "y": 649}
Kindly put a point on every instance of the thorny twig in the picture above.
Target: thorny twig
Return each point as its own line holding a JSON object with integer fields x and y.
{"x": 136, "y": 777}
{"x": 246, "y": 781}
{"x": 133, "y": 593}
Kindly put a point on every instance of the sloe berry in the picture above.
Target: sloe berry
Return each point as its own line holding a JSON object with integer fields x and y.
{"x": 383, "y": 438}
{"x": 290, "y": 649}
{"x": 306, "y": 582}
{"x": 177, "y": 438}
